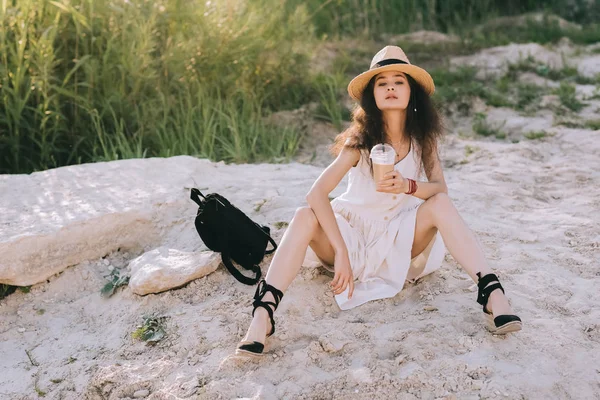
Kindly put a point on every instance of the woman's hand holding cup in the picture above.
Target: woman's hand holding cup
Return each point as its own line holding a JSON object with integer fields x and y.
{"x": 393, "y": 182}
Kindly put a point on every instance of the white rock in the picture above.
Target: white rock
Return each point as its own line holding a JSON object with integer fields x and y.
{"x": 589, "y": 67}
{"x": 141, "y": 394}
{"x": 361, "y": 375}
{"x": 60, "y": 217}
{"x": 163, "y": 269}
{"x": 495, "y": 60}
{"x": 333, "y": 342}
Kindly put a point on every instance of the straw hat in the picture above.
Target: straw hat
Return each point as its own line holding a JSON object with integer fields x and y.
{"x": 390, "y": 58}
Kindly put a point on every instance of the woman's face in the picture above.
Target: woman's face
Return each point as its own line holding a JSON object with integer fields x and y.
{"x": 392, "y": 91}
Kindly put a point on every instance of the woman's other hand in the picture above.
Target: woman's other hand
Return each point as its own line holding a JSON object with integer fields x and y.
{"x": 343, "y": 276}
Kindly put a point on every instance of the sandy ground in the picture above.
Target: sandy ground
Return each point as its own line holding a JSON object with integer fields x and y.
{"x": 534, "y": 206}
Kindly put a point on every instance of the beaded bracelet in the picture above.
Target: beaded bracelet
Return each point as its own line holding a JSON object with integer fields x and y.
{"x": 412, "y": 186}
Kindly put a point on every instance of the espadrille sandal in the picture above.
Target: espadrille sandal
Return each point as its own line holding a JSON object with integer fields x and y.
{"x": 254, "y": 348}
{"x": 502, "y": 324}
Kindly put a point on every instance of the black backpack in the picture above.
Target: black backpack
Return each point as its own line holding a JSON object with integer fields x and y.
{"x": 227, "y": 230}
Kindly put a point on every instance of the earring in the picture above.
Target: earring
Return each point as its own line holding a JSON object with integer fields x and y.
{"x": 415, "y": 109}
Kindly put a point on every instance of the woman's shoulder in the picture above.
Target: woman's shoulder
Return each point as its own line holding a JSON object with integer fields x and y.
{"x": 351, "y": 146}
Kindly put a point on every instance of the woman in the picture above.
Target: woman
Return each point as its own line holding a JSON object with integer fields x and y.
{"x": 379, "y": 234}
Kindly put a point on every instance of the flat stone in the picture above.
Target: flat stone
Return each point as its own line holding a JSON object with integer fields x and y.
{"x": 60, "y": 217}
{"x": 140, "y": 394}
{"x": 163, "y": 269}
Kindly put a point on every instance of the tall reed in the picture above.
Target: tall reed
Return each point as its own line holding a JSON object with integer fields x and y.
{"x": 89, "y": 80}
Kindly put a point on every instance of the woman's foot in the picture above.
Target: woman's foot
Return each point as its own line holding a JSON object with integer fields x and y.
{"x": 498, "y": 304}
{"x": 266, "y": 300}
{"x": 259, "y": 327}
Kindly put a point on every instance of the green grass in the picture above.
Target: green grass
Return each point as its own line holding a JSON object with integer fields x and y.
{"x": 567, "y": 73}
{"x": 461, "y": 86}
{"x": 595, "y": 95}
{"x": 258, "y": 206}
{"x": 482, "y": 127}
{"x": 566, "y": 94}
{"x": 6, "y": 290}
{"x": 545, "y": 31}
{"x": 281, "y": 224}
{"x": 457, "y": 87}
{"x": 93, "y": 81}
{"x": 374, "y": 17}
{"x": 470, "y": 150}
{"x": 534, "y": 135}
{"x": 569, "y": 122}
{"x": 39, "y": 391}
{"x": 331, "y": 89}
{"x": 528, "y": 96}
{"x": 593, "y": 124}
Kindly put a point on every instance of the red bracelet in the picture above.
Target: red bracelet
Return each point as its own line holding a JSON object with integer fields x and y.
{"x": 412, "y": 186}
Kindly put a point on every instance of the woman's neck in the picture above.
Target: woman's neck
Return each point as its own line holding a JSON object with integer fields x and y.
{"x": 393, "y": 122}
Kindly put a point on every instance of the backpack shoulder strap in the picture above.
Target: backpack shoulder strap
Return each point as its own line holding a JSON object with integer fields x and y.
{"x": 238, "y": 275}
{"x": 195, "y": 195}
{"x": 267, "y": 231}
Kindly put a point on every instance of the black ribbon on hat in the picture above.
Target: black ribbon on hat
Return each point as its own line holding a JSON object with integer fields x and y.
{"x": 388, "y": 62}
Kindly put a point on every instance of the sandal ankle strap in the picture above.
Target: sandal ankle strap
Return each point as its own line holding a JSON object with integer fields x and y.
{"x": 261, "y": 290}
{"x": 485, "y": 289}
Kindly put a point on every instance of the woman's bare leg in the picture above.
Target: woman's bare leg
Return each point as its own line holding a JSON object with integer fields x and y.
{"x": 438, "y": 212}
{"x": 304, "y": 230}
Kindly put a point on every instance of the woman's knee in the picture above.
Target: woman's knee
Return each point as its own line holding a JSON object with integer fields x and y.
{"x": 439, "y": 204}
{"x": 306, "y": 216}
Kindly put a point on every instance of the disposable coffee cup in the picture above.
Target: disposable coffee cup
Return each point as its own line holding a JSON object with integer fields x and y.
{"x": 383, "y": 157}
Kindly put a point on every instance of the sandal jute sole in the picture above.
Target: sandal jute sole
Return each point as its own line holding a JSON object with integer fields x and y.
{"x": 250, "y": 349}
{"x": 502, "y": 324}
{"x": 511, "y": 326}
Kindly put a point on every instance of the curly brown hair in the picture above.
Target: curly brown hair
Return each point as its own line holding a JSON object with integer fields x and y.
{"x": 423, "y": 126}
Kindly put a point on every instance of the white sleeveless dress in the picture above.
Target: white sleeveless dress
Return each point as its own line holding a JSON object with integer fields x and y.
{"x": 378, "y": 230}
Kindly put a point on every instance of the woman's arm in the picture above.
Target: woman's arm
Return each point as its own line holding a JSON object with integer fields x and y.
{"x": 318, "y": 196}
{"x": 396, "y": 183}
{"x": 435, "y": 180}
{"x": 427, "y": 189}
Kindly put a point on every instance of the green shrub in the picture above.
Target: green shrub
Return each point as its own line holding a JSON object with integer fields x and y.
{"x": 593, "y": 124}
{"x": 115, "y": 280}
{"x": 482, "y": 127}
{"x": 152, "y": 329}
{"x": 534, "y": 135}
{"x": 6, "y": 290}
{"x": 566, "y": 93}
